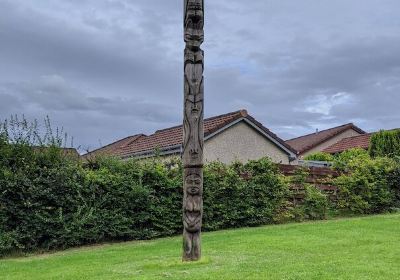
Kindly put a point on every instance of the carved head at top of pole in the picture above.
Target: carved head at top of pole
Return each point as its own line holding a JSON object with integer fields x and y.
{"x": 194, "y": 23}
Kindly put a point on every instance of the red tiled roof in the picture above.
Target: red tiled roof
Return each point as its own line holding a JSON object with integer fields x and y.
{"x": 360, "y": 141}
{"x": 113, "y": 148}
{"x": 307, "y": 142}
{"x": 173, "y": 137}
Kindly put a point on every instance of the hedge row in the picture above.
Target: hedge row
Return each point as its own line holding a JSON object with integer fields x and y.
{"x": 368, "y": 184}
{"x": 50, "y": 201}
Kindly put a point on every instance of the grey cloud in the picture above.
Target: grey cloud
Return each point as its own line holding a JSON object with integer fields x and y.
{"x": 54, "y": 93}
{"x": 9, "y": 103}
{"x": 348, "y": 66}
{"x": 296, "y": 75}
{"x": 107, "y": 69}
{"x": 83, "y": 116}
{"x": 52, "y": 45}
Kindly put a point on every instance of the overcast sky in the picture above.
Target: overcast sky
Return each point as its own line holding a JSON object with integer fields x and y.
{"x": 106, "y": 69}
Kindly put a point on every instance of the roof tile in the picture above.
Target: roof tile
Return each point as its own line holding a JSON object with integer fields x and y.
{"x": 360, "y": 141}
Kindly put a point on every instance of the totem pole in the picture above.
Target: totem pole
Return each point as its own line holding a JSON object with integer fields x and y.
{"x": 193, "y": 130}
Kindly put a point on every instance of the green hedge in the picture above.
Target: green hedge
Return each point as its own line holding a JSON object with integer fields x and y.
{"x": 243, "y": 195}
{"x": 49, "y": 201}
{"x": 385, "y": 143}
{"x": 320, "y": 156}
{"x": 370, "y": 180}
{"x": 368, "y": 186}
{"x": 394, "y": 184}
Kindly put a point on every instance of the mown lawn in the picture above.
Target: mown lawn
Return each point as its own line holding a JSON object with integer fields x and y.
{"x": 358, "y": 248}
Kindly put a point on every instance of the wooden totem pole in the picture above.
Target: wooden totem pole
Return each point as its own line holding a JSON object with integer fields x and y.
{"x": 193, "y": 130}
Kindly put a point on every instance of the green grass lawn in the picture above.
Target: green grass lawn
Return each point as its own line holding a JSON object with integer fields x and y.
{"x": 358, "y": 248}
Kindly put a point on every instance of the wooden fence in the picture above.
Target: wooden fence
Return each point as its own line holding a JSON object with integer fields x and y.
{"x": 321, "y": 177}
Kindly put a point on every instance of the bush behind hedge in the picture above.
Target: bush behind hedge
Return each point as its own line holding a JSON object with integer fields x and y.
{"x": 385, "y": 143}
{"x": 369, "y": 186}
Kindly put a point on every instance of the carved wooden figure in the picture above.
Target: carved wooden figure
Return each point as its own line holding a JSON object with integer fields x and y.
{"x": 193, "y": 130}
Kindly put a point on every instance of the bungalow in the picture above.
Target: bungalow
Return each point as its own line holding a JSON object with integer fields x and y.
{"x": 320, "y": 140}
{"x": 228, "y": 137}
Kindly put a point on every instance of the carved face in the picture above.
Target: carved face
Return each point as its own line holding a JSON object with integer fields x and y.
{"x": 193, "y": 184}
{"x": 195, "y": 109}
{"x": 194, "y": 10}
{"x": 194, "y": 22}
{"x": 193, "y": 203}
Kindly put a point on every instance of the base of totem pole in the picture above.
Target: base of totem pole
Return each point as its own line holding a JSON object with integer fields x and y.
{"x": 191, "y": 246}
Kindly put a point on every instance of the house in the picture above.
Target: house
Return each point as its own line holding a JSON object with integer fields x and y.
{"x": 229, "y": 137}
{"x": 359, "y": 141}
{"x": 320, "y": 140}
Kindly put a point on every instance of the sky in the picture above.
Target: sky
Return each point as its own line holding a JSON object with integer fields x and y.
{"x": 107, "y": 69}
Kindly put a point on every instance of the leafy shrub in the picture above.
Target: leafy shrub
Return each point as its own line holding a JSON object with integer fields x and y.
{"x": 314, "y": 204}
{"x": 37, "y": 192}
{"x": 320, "y": 156}
{"x": 50, "y": 201}
{"x": 394, "y": 182}
{"x": 242, "y": 195}
{"x": 344, "y": 160}
{"x": 385, "y": 143}
{"x": 265, "y": 192}
{"x": 366, "y": 188}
